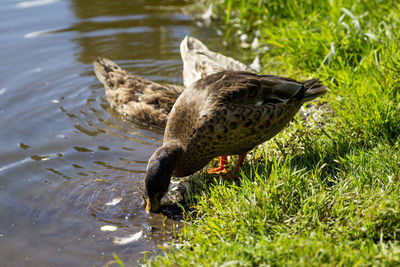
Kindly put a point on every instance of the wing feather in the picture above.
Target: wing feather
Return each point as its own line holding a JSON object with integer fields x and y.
{"x": 249, "y": 88}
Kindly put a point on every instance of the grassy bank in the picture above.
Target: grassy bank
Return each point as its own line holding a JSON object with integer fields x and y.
{"x": 326, "y": 191}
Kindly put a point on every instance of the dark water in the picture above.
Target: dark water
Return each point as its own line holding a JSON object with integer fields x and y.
{"x": 63, "y": 153}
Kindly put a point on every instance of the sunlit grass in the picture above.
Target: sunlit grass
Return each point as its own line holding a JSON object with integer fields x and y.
{"x": 326, "y": 190}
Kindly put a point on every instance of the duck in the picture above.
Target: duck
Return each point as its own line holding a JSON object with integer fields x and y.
{"x": 225, "y": 113}
{"x": 134, "y": 97}
{"x": 145, "y": 101}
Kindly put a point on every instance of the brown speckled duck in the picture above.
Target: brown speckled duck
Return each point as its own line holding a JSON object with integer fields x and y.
{"x": 140, "y": 99}
{"x": 226, "y": 113}
{"x": 135, "y": 97}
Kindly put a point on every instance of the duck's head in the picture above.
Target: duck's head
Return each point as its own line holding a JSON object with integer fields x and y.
{"x": 158, "y": 174}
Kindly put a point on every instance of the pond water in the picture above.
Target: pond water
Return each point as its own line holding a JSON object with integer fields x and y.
{"x": 65, "y": 156}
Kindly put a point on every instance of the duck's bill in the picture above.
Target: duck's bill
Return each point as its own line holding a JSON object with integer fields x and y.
{"x": 152, "y": 206}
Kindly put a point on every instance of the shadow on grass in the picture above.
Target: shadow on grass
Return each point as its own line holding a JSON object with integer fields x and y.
{"x": 326, "y": 162}
{"x": 315, "y": 159}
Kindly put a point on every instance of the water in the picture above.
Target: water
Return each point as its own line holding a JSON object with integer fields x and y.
{"x": 64, "y": 154}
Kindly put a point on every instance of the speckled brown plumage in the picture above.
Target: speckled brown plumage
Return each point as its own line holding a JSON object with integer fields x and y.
{"x": 224, "y": 114}
{"x": 142, "y": 100}
{"x": 231, "y": 112}
{"x": 135, "y": 97}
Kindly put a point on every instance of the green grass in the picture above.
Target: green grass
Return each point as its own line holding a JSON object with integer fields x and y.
{"x": 325, "y": 191}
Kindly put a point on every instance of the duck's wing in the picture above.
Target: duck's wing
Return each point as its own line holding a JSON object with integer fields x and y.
{"x": 257, "y": 90}
{"x": 199, "y": 61}
{"x": 246, "y": 109}
{"x": 135, "y": 97}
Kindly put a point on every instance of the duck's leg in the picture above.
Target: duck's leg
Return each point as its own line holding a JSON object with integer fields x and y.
{"x": 222, "y": 166}
{"x": 239, "y": 163}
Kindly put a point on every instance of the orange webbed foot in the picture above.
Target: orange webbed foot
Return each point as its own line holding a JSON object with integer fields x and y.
{"x": 219, "y": 170}
{"x": 222, "y": 166}
{"x": 222, "y": 169}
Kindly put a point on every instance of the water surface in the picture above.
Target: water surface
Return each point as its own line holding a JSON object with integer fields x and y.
{"x": 64, "y": 154}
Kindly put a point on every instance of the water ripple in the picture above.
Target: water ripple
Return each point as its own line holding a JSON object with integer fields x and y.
{"x": 35, "y": 3}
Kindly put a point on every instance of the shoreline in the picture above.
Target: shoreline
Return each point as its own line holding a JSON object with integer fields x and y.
{"x": 325, "y": 190}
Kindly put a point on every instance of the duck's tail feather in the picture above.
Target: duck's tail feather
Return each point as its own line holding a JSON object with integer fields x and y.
{"x": 199, "y": 61}
{"x": 102, "y": 69}
{"x": 311, "y": 89}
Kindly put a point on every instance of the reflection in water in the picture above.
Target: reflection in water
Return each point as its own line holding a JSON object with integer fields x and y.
{"x": 139, "y": 30}
{"x": 65, "y": 154}
{"x": 59, "y": 173}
